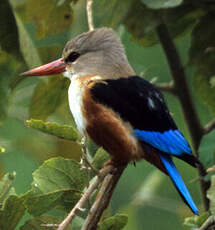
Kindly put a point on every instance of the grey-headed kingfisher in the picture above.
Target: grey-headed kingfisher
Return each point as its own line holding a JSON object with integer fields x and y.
{"x": 118, "y": 110}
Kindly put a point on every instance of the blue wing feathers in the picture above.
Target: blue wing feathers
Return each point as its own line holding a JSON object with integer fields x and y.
{"x": 178, "y": 182}
{"x": 171, "y": 141}
{"x": 182, "y": 141}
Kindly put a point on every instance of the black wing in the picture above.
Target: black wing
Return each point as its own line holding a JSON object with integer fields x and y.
{"x": 137, "y": 101}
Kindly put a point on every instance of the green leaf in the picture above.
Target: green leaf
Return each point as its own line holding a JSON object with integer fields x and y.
{"x": 27, "y": 45}
{"x": 202, "y": 58}
{"x": 77, "y": 223}
{"x": 112, "y": 14}
{"x": 6, "y": 188}
{"x": 148, "y": 189}
{"x": 100, "y": 158}
{"x": 211, "y": 195}
{"x": 116, "y": 222}
{"x": 2, "y": 150}
{"x": 41, "y": 37}
{"x": 204, "y": 89}
{"x": 212, "y": 81}
{"x": 79, "y": 16}
{"x": 8, "y": 66}
{"x": 48, "y": 53}
{"x": 181, "y": 20}
{"x": 62, "y": 131}
{"x": 11, "y": 212}
{"x": 49, "y": 17}
{"x": 207, "y": 150}
{"x": 9, "y": 40}
{"x": 196, "y": 221}
{"x": 157, "y": 4}
{"x": 202, "y": 51}
{"x": 42, "y": 223}
{"x": 47, "y": 97}
{"x": 57, "y": 183}
{"x": 51, "y": 223}
{"x": 142, "y": 21}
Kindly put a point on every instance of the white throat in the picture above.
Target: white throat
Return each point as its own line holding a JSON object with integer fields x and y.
{"x": 71, "y": 76}
{"x": 75, "y": 93}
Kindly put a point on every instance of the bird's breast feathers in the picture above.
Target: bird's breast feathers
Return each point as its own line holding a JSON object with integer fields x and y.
{"x": 77, "y": 88}
{"x": 75, "y": 95}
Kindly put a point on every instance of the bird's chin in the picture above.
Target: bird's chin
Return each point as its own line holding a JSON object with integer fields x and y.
{"x": 67, "y": 74}
{"x": 70, "y": 75}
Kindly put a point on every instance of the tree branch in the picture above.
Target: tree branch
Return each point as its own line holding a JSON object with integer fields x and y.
{"x": 181, "y": 86}
{"x": 167, "y": 87}
{"x": 183, "y": 93}
{"x": 209, "y": 127}
{"x": 79, "y": 206}
{"x": 102, "y": 199}
{"x": 90, "y": 14}
{"x": 84, "y": 157}
{"x": 208, "y": 223}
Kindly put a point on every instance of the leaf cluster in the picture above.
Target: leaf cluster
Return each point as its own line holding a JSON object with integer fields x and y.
{"x": 57, "y": 184}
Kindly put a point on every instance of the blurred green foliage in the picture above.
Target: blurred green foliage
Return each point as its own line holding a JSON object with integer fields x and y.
{"x": 116, "y": 222}
{"x": 11, "y": 212}
{"x": 196, "y": 221}
{"x": 40, "y": 223}
{"x": 35, "y": 32}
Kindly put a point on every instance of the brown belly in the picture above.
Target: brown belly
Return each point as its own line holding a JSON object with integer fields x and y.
{"x": 106, "y": 129}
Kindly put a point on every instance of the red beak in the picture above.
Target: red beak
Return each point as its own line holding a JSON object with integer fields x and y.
{"x": 54, "y": 67}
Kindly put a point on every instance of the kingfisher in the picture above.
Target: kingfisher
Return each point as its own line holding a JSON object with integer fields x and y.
{"x": 118, "y": 110}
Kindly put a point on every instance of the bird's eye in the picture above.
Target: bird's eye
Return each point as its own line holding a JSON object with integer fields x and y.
{"x": 72, "y": 57}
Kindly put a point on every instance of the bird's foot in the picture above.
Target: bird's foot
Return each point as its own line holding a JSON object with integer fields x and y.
{"x": 84, "y": 162}
{"x": 115, "y": 163}
{"x": 86, "y": 165}
{"x": 109, "y": 162}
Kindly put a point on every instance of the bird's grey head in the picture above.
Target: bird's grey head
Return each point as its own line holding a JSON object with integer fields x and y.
{"x": 97, "y": 52}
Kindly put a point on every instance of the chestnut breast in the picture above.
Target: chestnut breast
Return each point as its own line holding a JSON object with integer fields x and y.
{"x": 107, "y": 129}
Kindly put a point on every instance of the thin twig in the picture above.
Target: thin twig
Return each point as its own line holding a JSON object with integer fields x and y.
{"x": 84, "y": 156}
{"x": 167, "y": 87}
{"x": 79, "y": 206}
{"x": 102, "y": 199}
{"x": 90, "y": 14}
{"x": 184, "y": 96}
{"x": 208, "y": 223}
{"x": 181, "y": 86}
{"x": 211, "y": 169}
{"x": 209, "y": 127}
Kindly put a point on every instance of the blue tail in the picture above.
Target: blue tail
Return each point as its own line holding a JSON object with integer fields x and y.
{"x": 178, "y": 182}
